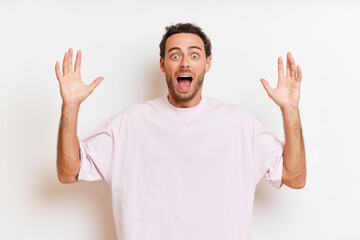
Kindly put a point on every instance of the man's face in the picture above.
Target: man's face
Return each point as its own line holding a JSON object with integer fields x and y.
{"x": 184, "y": 64}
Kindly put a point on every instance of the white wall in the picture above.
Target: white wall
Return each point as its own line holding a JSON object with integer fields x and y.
{"x": 119, "y": 40}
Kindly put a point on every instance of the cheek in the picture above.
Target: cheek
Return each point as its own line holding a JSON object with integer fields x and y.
{"x": 171, "y": 67}
{"x": 199, "y": 66}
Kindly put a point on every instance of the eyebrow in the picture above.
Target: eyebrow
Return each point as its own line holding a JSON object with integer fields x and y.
{"x": 191, "y": 47}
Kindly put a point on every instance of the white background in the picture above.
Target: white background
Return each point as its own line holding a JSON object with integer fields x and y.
{"x": 119, "y": 40}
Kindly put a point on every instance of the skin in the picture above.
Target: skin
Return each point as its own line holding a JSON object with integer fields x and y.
{"x": 73, "y": 91}
{"x": 185, "y": 53}
{"x": 287, "y": 95}
{"x": 191, "y": 59}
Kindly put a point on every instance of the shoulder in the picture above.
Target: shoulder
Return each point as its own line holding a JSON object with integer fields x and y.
{"x": 229, "y": 109}
{"x": 126, "y": 113}
{"x": 132, "y": 113}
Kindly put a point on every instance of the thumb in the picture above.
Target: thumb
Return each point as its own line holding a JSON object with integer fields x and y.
{"x": 95, "y": 83}
{"x": 267, "y": 87}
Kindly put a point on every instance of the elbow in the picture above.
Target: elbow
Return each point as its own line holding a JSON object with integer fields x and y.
{"x": 67, "y": 173}
{"x": 66, "y": 179}
{"x": 297, "y": 181}
{"x": 302, "y": 183}
{"x": 65, "y": 176}
{"x": 297, "y": 185}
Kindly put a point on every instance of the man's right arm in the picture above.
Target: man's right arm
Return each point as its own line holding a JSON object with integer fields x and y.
{"x": 73, "y": 92}
{"x": 68, "y": 148}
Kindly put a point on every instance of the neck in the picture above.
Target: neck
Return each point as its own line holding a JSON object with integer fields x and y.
{"x": 184, "y": 104}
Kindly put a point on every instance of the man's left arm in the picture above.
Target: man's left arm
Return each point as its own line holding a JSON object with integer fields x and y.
{"x": 287, "y": 95}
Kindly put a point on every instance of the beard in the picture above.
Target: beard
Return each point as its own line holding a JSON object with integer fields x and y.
{"x": 184, "y": 97}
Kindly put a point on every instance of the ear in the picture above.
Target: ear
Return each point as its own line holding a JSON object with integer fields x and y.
{"x": 162, "y": 65}
{"x": 208, "y": 64}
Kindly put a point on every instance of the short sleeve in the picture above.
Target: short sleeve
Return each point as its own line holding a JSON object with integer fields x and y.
{"x": 268, "y": 155}
{"x": 96, "y": 154}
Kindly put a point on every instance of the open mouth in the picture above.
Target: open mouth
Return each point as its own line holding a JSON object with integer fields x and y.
{"x": 184, "y": 82}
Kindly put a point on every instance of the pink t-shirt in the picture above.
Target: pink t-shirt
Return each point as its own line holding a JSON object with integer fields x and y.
{"x": 182, "y": 173}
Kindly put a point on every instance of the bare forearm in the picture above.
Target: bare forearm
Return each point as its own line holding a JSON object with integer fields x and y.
{"x": 73, "y": 91}
{"x": 68, "y": 149}
{"x": 294, "y": 169}
{"x": 287, "y": 95}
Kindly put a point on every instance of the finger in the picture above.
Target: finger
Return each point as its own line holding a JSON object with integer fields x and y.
{"x": 299, "y": 74}
{"x": 57, "y": 71}
{"x": 292, "y": 67}
{"x": 70, "y": 60}
{"x": 78, "y": 61}
{"x": 267, "y": 87}
{"x": 66, "y": 64}
{"x": 288, "y": 64}
{"x": 95, "y": 83}
{"x": 280, "y": 69}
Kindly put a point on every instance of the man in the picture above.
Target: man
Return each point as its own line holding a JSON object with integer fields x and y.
{"x": 182, "y": 166}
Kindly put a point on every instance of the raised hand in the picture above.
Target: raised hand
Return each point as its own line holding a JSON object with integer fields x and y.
{"x": 72, "y": 88}
{"x": 287, "y": 92}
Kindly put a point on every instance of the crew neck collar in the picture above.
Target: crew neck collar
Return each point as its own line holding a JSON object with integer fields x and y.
{"x": 185, "y": 111}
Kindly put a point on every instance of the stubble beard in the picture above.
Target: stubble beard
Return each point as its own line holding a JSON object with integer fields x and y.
{"x": 184, "y": 97}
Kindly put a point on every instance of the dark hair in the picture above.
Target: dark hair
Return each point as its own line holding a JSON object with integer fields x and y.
{"x": 185, "y": 28}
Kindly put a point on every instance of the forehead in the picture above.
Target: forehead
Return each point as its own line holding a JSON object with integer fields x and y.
{"x": 184, "y": 41}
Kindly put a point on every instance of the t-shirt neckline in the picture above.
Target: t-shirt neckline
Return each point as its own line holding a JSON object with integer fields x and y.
{"x": 185, "y": 111}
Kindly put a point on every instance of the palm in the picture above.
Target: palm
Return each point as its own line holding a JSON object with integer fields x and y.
{"x": 72, "y": 88}
{"x": 287, "y": 92}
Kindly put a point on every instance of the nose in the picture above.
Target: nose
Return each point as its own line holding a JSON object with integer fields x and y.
{"x": 185, "y": 63}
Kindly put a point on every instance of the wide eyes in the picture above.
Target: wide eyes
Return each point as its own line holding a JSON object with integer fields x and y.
{"x": 176, "y": 56}
{"x": 194, "y": 55}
